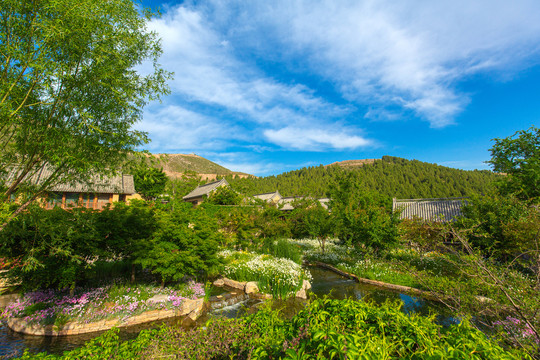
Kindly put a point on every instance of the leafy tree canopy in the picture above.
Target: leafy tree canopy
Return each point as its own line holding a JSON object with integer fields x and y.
{"x": 69, "y": 91}
{"x": 149, "y": 182}
{"x": 224, "y": 195}
{"x": 519, "y": 157}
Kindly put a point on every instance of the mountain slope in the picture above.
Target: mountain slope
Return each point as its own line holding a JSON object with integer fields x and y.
{"x": 174, "y": 165}
{"x": 390, "y": 176}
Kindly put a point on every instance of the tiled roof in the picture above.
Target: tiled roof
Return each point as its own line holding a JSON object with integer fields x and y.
{"x": 205, "y": 189}
{"x": 267, "y": 196}
{"x": 439, "y": 210}
{"x": 324, "y": 202}
{"x": 116, "y": 184}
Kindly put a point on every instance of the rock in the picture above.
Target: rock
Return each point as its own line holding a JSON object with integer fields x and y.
{"x": 190, "y": 305}
{"x": 219, "y": 282}
{"x": 301, "y": 294}
{"x": 158, "y": 298}
{"x": 306, "y": 285}
{"x": 197, "y": 309}
{"x": 261, "y": 296}
{"x": 234, "y": 284}
{"x": 251, "y": 287}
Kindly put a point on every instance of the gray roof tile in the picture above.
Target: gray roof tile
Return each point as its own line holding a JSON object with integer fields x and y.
{"x": 205, "y": 189}
{"x": 438, "y": 210}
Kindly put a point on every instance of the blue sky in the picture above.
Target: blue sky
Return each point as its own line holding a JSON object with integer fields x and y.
{"x": 271, "y": 86}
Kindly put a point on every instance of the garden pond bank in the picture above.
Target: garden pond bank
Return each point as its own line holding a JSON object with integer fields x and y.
{"x": 324, "y": 282}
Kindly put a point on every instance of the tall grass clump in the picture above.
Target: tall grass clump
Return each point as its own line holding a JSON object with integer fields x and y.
{"x": 283, "y": 249}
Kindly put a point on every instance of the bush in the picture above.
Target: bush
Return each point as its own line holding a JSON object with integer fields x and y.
{"x": 184, "y": 244}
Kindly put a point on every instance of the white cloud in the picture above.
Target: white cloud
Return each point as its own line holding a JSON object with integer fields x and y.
{"x": 392, "y": 58}
{"x": 315, "y": 139}
{"x": 409, "y": 53}
{"x": 176, "y": 129}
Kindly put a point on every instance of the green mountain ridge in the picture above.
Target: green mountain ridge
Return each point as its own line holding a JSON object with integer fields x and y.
{"x": 390, "y": 176}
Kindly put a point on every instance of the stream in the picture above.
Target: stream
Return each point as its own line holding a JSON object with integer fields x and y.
{"x": 324, "y": 282}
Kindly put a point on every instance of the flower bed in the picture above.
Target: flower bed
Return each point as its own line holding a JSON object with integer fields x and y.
{"x": 50, "y": 307}
{"x": 277, "y": 276}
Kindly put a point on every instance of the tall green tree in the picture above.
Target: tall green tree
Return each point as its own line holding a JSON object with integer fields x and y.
{"x": 519, "y": 157}
{"x": 362, "y": 217}
{"x": 149, "y": 182}
{"x": 69, "y": 90}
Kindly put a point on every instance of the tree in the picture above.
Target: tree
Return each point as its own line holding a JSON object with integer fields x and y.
{"x": 184, "y": 244}
{"x": 69, "y": 91}
{"x": 362, "y": 217}
{"x": 224, "y": 195}
{"x": 519, "y": 157}
{"x": 318, "y": 223}
{"x": 149, "y": 182}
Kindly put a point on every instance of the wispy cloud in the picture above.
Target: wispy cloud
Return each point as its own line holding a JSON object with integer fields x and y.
{"x": 312, "y": 75}
{"x": 408, "y": 53}
{"x": 315, "y": 139}
{"x": 209, "y": 74}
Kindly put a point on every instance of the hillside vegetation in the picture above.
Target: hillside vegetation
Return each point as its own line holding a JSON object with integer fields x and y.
{"x": 390, "y": 176}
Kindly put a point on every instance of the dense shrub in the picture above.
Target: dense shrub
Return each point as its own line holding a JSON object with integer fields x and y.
{"x": 502, "y": 226}
{"x": 184, "y": 244}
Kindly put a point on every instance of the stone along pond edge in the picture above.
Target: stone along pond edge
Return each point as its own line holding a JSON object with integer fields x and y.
{"x": 192, "y": 309}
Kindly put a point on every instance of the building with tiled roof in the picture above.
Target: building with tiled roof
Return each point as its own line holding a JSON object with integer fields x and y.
{"x": 198, "y": 195}
{"x": 434, "y": 210}
{"x": 271, "y": 197}
{"x": 94, "y": 193}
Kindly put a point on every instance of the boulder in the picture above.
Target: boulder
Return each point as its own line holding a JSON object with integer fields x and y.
{"x": 234, "y": 284}
{"x": 197, "y": 309}
{"x": 219, "y": 282}
{"x": 301, "y": 294}
{"x": 190, "y": 305}
{"x": 251, "y": 287}
{"x": 306, "y": 285}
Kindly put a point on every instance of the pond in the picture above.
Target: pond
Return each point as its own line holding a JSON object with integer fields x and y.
{"x": 324, "y": 282}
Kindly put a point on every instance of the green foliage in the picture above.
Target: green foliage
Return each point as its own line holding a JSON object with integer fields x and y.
{"x": 185, "y": 243}
{"x": 310, "y": 220}
{"x": 362, "y": 217}
{"x": 501, "y": 226}
{"x": 69, "y": 89}
{"x": 283, "y": 249}
{"x": 271, "y": 223}
{"x": 280, "y": 277}
{"x": 425, "y": 235}
{"x": 518, "y": 156}
{"x": 224, "y": 195}
{"x": 57, "y": 248}
{"x": 52, "y": 246}
{"x": 390, "y": 176}
{"x": 149, "y": 182}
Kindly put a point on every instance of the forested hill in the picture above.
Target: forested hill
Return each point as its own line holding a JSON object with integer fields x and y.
{"x": 391, "y": 176}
